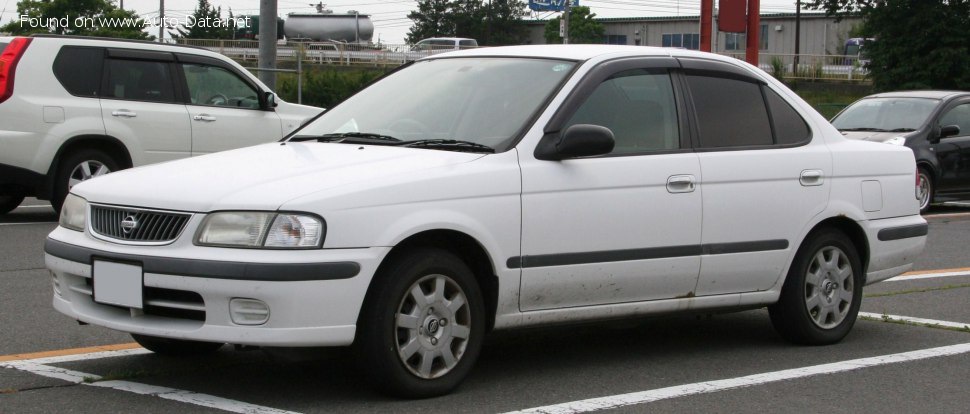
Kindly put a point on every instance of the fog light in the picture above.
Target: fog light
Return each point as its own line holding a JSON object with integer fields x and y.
{"x": 248, "y": 311}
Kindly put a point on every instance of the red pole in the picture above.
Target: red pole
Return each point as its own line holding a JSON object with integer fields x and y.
{"x": 707, "y": 24}
{"x": 754, "y": 30}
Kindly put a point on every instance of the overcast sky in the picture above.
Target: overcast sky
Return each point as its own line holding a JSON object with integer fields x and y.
{"x": 390, "y": 17}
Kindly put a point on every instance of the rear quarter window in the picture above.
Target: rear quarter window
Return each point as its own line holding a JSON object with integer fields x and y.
{"x": 79, "y": 70}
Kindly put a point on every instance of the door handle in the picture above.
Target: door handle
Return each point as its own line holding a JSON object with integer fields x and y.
{"x": 811, "y": 178}
{"x": 680, "y": 184}
{"x": 124, "y": 113}
{"x": 204, "y": 118}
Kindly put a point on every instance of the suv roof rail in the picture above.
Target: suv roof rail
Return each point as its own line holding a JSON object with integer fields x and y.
{"x": 114, "y": 39}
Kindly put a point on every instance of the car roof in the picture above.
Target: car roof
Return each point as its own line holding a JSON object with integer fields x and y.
{"x": 928, "y": 94}
{"x": 570, "y": 52}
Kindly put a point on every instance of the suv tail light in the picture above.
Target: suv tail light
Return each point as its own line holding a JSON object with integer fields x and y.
{"x": 8, "y": 65}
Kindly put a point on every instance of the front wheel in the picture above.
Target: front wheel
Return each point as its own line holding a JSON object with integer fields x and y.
{"x": 925, "y": 190}
{"x": 820, "y": 300}
{"x": 175, "y": 347}
{"x": 422, "y": 326}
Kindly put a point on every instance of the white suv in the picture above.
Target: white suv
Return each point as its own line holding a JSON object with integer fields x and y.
{"x": 492, "y": 189}
{"x": 73, "y": 108}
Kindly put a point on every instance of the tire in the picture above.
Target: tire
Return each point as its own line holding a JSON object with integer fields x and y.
{"x": 927, "y": 190}
{"x": 80, "y": 166}
{"x": 10, "y": 201}
{"x": 419, "y": 345}
{"x": 821, "y": 296}
{"x": 175, "y": 347}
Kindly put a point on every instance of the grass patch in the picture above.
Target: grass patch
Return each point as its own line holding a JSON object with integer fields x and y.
{"x": 7, "y": 391}
{"x": 887, "y": 319}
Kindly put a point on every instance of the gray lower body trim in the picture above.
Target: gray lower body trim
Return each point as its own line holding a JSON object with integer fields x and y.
{"x": 903, "y": 232}
{"x": 275, "y": 272}
{"x": 606, "y": 256}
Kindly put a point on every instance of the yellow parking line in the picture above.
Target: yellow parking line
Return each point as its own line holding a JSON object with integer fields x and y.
{"x": 63, "y": 352}
{"x": 924, "y": 272}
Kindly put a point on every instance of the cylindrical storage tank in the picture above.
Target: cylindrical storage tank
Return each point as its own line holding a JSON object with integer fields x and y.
{"x": 324, "y": 27}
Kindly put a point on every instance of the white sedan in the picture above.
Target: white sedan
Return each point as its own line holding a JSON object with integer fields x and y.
{"x": 491, "y": 189}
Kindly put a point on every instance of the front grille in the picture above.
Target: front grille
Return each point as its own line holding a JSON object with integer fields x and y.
{"x": 137, "y": 225}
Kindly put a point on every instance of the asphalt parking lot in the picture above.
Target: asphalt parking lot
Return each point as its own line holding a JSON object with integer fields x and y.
{"x": 910, "y": 352}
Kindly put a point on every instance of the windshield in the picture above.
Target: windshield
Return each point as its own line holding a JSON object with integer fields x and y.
{"x": 886, "y": 114}
{"x": 485, "y": 101}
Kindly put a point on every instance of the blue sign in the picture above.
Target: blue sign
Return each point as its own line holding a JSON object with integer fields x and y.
{"x": 551, "y": 5}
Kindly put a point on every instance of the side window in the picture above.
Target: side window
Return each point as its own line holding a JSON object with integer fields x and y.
{"x": 959, "y": 116}
{"x": 139, "y": 80}
{"x": 79, "y": 70}
{"x": 730, "y": 112}
{"x": 467, "y": 44}
{"x": 790, "y": 127}
{"x": 638, "y": 106}
{"x": 215, "y": 86}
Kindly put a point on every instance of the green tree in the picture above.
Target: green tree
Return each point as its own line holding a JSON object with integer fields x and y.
{"x": 202, "y": 24}
{"x": 77, "y": 17}
{"x": 495, "y": 22}
{"x": 919, "y": 44}
{"x": 582, "y": 27}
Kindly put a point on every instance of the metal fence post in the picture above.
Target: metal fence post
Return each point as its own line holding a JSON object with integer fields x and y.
{"x": 299, "y": 75}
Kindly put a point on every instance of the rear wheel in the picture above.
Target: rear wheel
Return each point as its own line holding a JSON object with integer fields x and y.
{"x": 175, "y": 347}
{"x": 820, "y": 300}
{"x": 78, "y": 167}
{"x": 421, "y": 329}
{"x": 9, "y": 200}
{"x": 926, "y": 189}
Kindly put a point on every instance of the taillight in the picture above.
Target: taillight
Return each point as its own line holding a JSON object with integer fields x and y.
{"x": 8, "y": 65}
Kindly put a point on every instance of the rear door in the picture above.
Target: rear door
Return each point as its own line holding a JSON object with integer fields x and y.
{"x": 141, "y": 106}
{"x": 224, "y": 107}
{"x": 764, "y": 179}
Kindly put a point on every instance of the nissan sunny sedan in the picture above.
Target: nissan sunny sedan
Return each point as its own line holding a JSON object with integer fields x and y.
{"x": 492, "y": 189}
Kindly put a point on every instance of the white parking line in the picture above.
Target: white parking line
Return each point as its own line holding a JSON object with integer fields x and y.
{"x": 642, "y": 397}
{"x": 38, "y": 367}
{"x": 36, "y": 206}
{"x": 23, "y": 224}
{"x": 917, "y": 321}
{"x": 903, "y": 278}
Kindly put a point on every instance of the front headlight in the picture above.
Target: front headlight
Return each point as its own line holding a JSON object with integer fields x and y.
{"x": 72, "y": 212}
{"x": 256, "y": 229}
{"x": 896, "y": 141}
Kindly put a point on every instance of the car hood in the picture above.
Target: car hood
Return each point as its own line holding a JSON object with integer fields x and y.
{"x": 263, "y": 177}
{"x": 873, "y": 136}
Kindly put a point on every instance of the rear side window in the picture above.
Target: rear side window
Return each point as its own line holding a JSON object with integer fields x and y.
{"x": 790, "y": 128}
{"x": 79, "y": 70}
{"x": 729, "y": 112}
{"x": 140, "y": 80}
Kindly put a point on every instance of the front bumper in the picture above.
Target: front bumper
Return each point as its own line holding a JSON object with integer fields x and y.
{"x": 314, "y": 296}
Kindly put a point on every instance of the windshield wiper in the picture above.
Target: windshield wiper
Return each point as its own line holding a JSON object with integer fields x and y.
{"x": 348, "y": 137}
{"x": 863, "y": 129}
{"x": 449, "y": 144}
{"x": 902, "y": 130}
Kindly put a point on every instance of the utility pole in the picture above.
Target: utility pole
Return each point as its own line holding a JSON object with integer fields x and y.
{"x": 161, "y": 21}
{"x": 267, "y": 42}
{"x": 754, "y": 32}
{"x": 798, "y": 32}
{"x": 565, "y": 23}
{"x": 488, "y": 23}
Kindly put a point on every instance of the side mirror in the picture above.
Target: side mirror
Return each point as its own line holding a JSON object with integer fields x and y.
{"x": 581, "y": 140}
{"x": 949, "y": 131}
{"x": 269, "y": 101}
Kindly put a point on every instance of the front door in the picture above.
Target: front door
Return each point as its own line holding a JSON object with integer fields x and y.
{"x": 623, "y": 227}
{"x": 953, "y": 152}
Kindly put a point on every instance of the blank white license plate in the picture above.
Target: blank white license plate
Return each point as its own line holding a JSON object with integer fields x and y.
{"x": 118, "y": 284}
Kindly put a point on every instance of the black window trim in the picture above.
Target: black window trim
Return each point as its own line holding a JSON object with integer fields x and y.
{"x": 604, "y": 71}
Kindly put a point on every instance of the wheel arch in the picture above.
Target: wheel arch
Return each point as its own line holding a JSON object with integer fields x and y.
{"x": 108, "y": 144}
{"x": 467, "y": 248}
{"x": 851, "y": 229}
